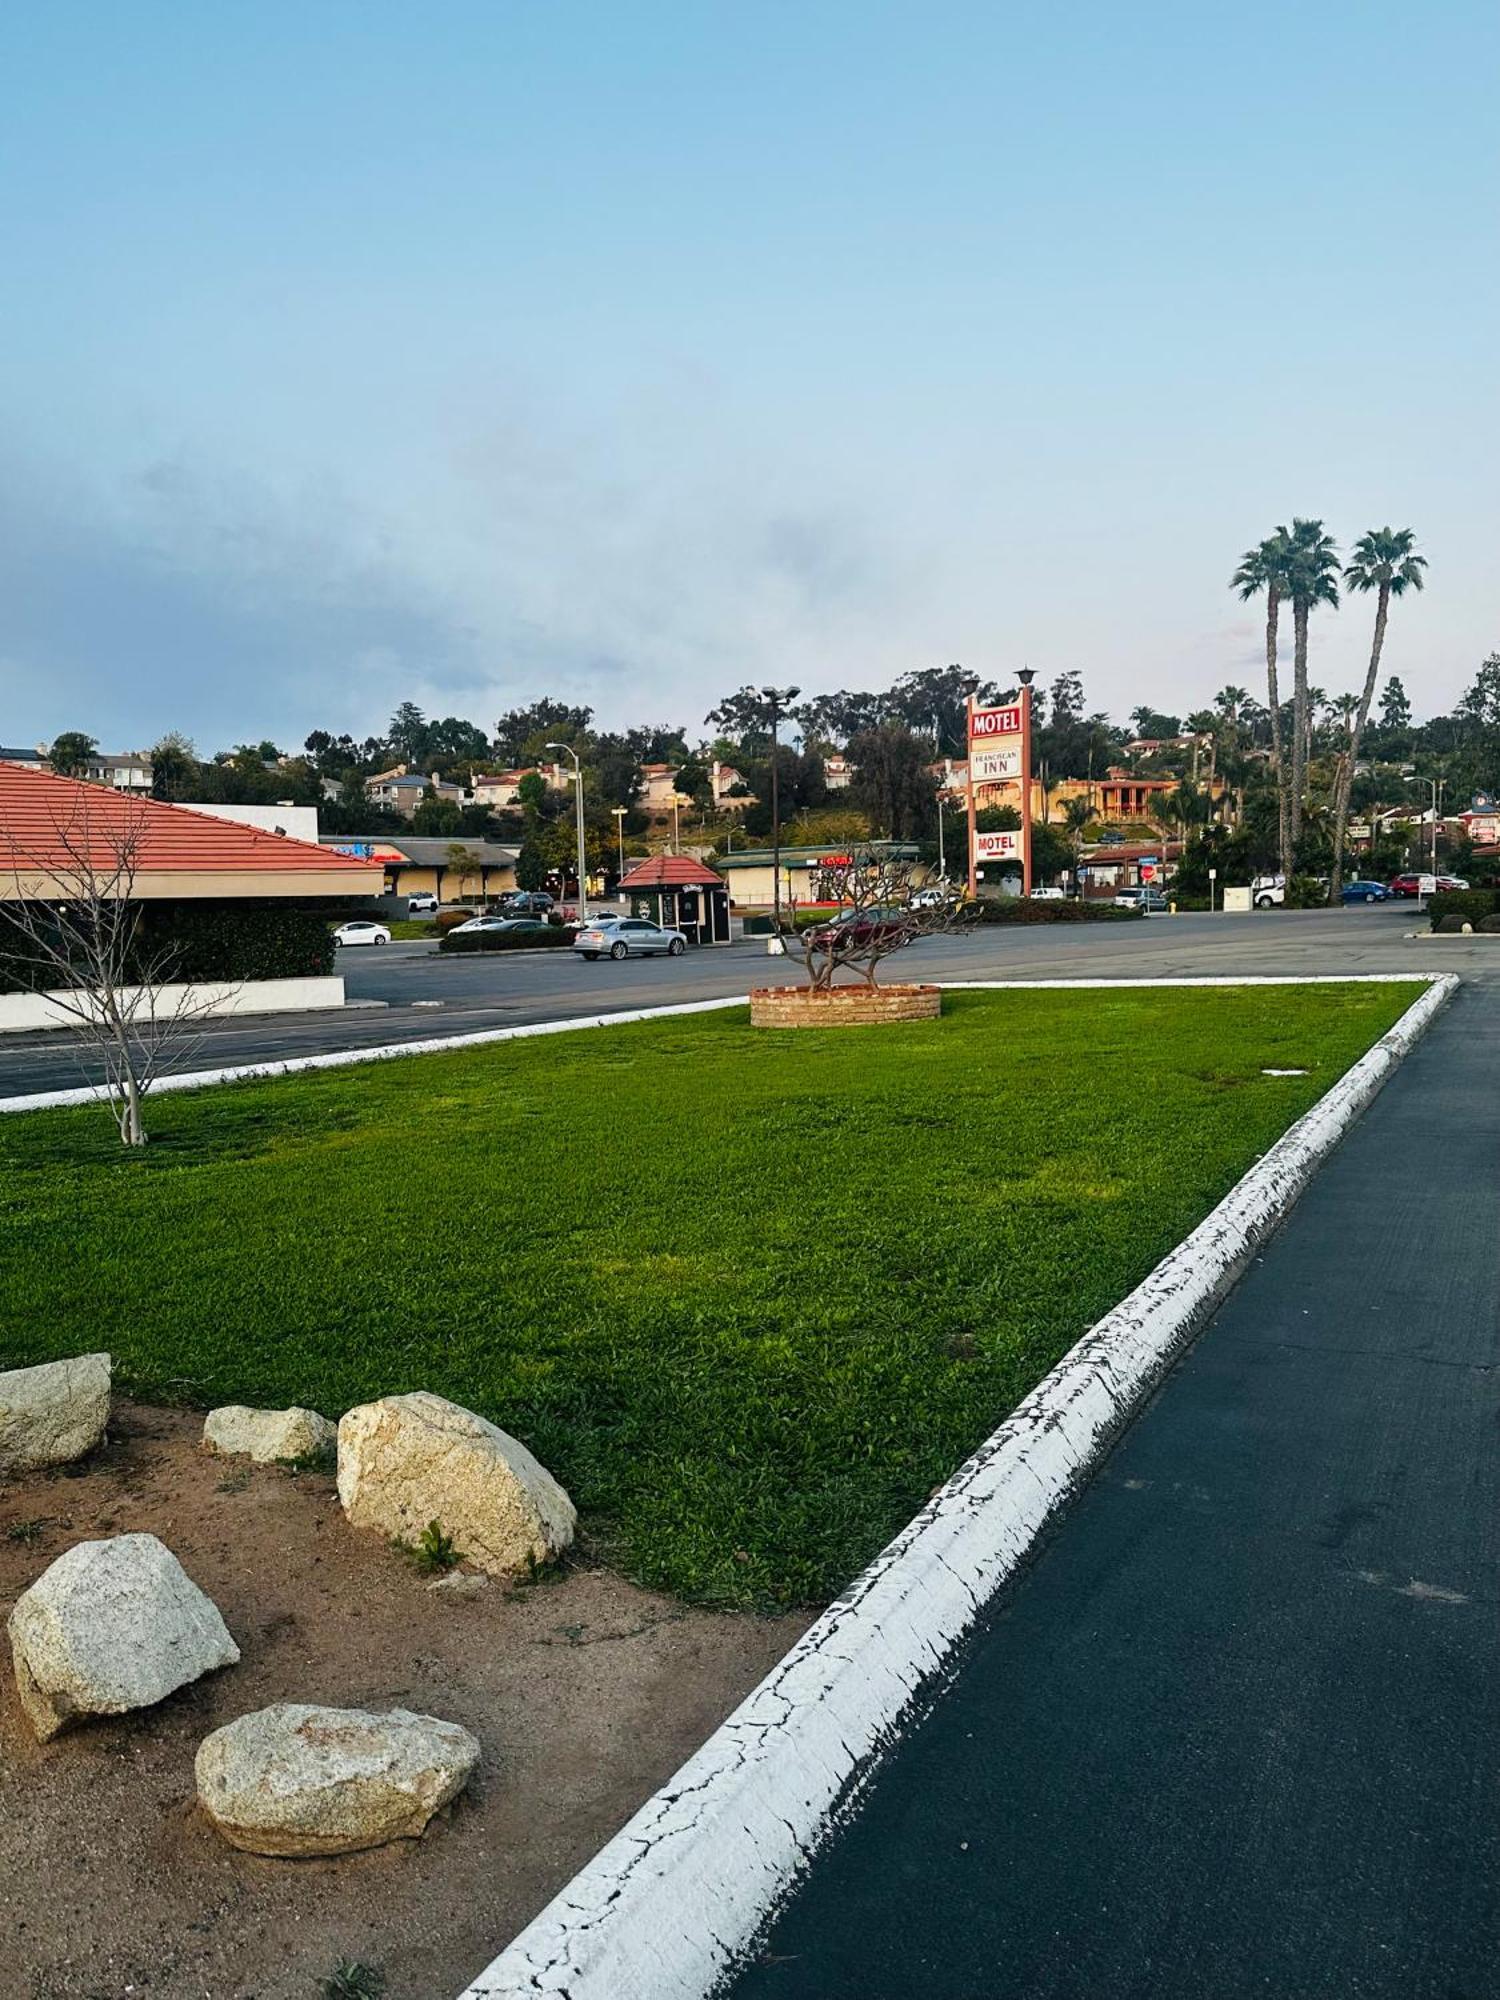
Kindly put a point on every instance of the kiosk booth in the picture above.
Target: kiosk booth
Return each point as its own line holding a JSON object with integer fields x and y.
{"x": 683, "y": 894}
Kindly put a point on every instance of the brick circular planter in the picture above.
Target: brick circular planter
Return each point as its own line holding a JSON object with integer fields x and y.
{"x": 842, "y": 1006}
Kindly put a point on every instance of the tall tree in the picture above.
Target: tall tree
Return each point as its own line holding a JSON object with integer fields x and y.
{"x": 1386, "y": 561}
{"x": 174, "y": 768}
{"x": 1395, "y": 706}
{"x": 1264, "y": 568}
{"x": 1312, "y": 570}
{"x": 408, "y": 734}
{"x": 71, "y": 752}
{"x": 892, "y": 783}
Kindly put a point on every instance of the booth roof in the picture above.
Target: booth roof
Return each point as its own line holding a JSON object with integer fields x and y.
{"x": 671, "y": 871}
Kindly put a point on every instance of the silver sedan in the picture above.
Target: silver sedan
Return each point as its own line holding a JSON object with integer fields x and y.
{"x": 624, "y": 937}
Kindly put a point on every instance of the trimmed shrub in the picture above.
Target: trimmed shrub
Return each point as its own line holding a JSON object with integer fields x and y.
{"x": 1020, "y": 910}
{"x": 1471, "y": 903}
{"x": 204, "y": 941}
{"x": 557, "y": 934}
{"x": 1453, "y": 926}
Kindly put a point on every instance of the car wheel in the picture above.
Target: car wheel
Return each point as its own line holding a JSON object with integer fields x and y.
{"x": 1262, "y": 902}
{"x": 619, "y": 951}
{"x": 676, "y": 948}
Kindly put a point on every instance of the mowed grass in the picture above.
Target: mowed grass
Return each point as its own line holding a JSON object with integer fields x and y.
{"x": 751, "y": 1296}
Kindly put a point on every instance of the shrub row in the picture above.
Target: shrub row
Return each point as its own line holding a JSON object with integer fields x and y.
{"x": 1468, "y": 905}
{"x": 555, "y": 934}
{"x": 1020, "y": 910}
{"x": 192, "y": 941}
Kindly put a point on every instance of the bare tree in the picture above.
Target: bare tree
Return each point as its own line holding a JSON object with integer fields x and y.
{"x": 76, "y": 933}
{"x": 885, "y": 908}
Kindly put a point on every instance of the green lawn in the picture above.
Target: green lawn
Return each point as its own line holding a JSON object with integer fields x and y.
{"x": 750, "y": 1295}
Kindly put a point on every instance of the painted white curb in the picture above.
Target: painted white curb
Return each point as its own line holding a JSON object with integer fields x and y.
{"x": 665, "y": 1909}
{"x": 201, "y": 1079}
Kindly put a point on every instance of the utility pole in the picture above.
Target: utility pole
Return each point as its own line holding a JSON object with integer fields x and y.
{"x": 583, "y": 894}
{"x": 776, "y": 700}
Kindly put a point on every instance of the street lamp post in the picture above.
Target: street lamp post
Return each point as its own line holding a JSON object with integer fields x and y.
{"x": 776, "y": 700}
{"x": 583, "y": 894}
{"x": 619, "y": 813}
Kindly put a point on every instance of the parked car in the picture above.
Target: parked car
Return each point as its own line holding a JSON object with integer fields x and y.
{"x": 1365, "y": 892}
{"x": 362, "y": 930}
{"x": 526, "y": 903}
{"x": 621, "y": 937}
{"x": 934, "y": 898}
{"x": 420, "y": 902}
{"x": 881, "y": 922}
{"x": 1048, "y": 895}
{"x": 1425, "y": 884}
{"x": 500, "y": 924}
{"x": 1151, "y": 901}
{"x": 1268, "y": 892}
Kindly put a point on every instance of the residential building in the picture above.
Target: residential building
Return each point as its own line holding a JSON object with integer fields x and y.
{"x": 402, "y": 791}
{"x": 837, "y": 771}
{"x": 121, "y": 770}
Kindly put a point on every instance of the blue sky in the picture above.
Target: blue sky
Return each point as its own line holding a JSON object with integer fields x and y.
{"x": 627, "y": 353}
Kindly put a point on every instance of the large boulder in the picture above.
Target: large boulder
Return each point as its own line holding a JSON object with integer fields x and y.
{"x": 298, "y": 1779}
{"x": 52, "y": 1414}
{"x": 112, "y": 1626}
{"x": 267, "y": 1436}
{"x": 409, "y": 1460}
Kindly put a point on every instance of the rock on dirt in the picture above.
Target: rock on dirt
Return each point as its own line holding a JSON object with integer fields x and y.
{"x": 52, "y": 1414}
{"x": 267, "y": 1436}
{"x": 112, "y": 1626}
{"x": 296, "y": 1779}
{"x": 406, "y": 1461}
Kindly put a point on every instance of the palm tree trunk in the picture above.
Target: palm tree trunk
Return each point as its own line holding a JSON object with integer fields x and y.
{"x": 1283, "y": 815}
{"x": 1301, "y": 611}
{"x": 1345, "y": 783}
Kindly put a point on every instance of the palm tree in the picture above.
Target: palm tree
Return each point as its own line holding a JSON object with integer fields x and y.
{"x": 1312, "y": 569}
{"x": 1264, "y": 568}
{"x": 1229, "y": 701}
{"x": 1385, "y": 561}
{"x": 1076, "y": 815}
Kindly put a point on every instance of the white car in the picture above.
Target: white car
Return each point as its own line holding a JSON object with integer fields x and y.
{"x": 421, "y": 902}
{"x": 1048, "y": 896}
{"x": 619, "y": 937}
{"x": 362, "y": 930}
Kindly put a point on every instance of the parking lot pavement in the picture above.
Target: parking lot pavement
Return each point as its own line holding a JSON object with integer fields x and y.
{"x": 417, "y": 993}
{"x": 1234, "y": 1734}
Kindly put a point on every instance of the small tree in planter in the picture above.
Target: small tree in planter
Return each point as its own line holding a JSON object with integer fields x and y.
{"x": 884, "y": 910}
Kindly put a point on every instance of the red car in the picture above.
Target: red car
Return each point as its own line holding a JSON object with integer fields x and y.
{"x": 1411, "y": 885}
{"x": 882, "y": 923}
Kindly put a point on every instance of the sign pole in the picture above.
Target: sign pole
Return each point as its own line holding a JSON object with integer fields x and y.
{"x": 1026, "y": 782}
{"x": 969, "y": 788}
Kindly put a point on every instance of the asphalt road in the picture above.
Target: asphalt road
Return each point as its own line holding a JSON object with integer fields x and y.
{"x": 1235, "y": 1734}
{"x": 410, "y": 992}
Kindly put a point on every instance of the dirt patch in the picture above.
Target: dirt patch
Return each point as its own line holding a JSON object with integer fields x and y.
{"x": 585, "y": 1692}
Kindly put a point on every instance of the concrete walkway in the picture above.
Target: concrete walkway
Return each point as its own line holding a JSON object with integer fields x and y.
{"x": 1238, "y": 1733}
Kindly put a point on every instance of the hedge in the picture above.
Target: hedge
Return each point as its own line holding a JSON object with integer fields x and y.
{"x": 195, "y": 941}
{"x": 1467, "y": 904}
{"x": 1021, "y": 910}
{"x": 555, "y": 934}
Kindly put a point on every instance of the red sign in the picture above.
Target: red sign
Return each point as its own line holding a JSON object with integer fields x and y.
{"x": 835, "y": 860}
{"x": 995, "y": 722}
{"x": 1148, "y": 870}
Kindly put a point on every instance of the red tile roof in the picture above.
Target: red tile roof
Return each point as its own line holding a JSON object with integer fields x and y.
{"x": 46, "y": 822}
{"x": 671, "y": 871}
